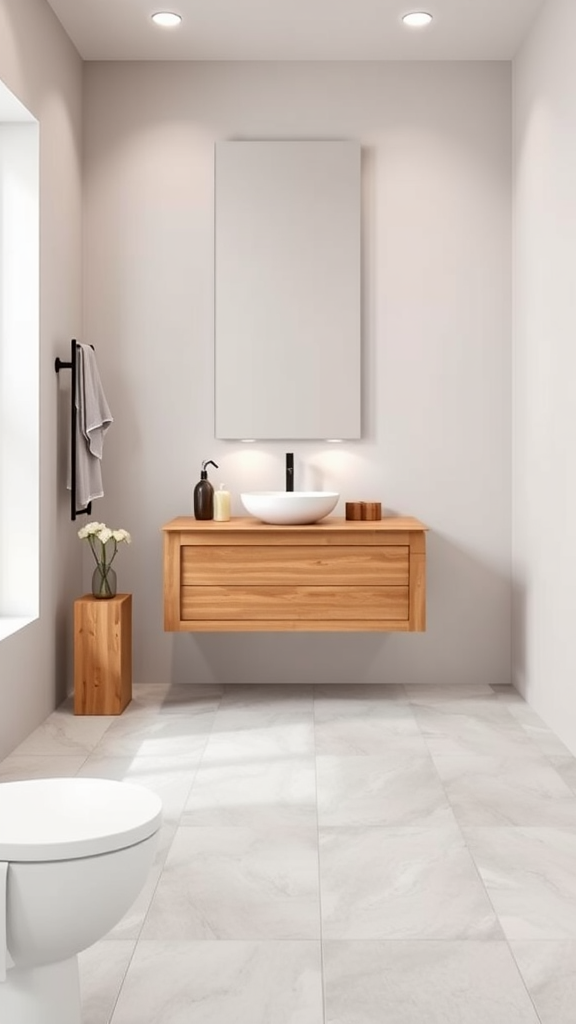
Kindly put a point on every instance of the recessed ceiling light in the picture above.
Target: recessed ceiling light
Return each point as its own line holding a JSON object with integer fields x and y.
{"x": 166, "y": 19}
{"x": 417, "y": 19}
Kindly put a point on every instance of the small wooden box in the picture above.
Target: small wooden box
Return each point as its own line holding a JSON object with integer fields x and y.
{"x": 102, "y": 654}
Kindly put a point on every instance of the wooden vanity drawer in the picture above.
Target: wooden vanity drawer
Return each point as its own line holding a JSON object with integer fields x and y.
{"x": 339, "y": 566}
{"x": 334, "y": 575}
{"x": 303, "y": 603}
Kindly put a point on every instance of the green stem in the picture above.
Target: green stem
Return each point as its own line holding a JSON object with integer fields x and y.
{"x": 101, "y": 561}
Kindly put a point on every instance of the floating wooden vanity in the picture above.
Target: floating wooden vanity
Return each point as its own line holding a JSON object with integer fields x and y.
{"x": 335, "y": 575}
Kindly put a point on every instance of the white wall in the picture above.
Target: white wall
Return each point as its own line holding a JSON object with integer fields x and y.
{"x": 40, "y": 66}
{"x": 437, "y": 261}
{"x": 545, "y": 368}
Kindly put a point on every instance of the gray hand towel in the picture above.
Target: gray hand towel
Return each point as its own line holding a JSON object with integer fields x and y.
{"x": 93, "y": 417}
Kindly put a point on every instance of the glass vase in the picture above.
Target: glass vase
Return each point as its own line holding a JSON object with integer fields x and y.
{"x": 104, "y": 581}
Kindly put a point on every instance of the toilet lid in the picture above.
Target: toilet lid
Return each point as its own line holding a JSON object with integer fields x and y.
{"x": 63, "y": 819}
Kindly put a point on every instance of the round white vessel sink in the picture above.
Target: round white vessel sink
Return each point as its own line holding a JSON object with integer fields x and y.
{"x": 289, "y": 508}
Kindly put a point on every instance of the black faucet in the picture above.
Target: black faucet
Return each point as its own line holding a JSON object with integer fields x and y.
{"x": 289, "y": 471}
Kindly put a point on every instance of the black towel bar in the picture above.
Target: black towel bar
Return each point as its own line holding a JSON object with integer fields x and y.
{"x": 60, "y": 364}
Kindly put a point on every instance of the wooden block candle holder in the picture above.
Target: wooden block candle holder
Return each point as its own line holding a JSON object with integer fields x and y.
{"x": 354, "y": 510}
{"x": 370, "y": 511}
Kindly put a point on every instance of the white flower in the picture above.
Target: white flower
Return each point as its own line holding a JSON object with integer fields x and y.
{"x": 89, "y": 529}
{"x": 120, "y": 535}
{"x": 98, "y": 535}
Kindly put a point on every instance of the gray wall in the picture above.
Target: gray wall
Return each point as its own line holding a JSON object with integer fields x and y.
{"x": 437, "y": 268}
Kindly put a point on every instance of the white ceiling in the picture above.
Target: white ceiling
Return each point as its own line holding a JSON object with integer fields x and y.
{"x": 296, "y": 29}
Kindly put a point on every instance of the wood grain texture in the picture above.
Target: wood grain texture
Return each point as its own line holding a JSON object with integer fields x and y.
{"x": 102, "y": 655}
{"x": 336, "y": 575}
{"x": 353, "y": 511}
{"x": 172, "y": 584}
{"x": 417, "y": 613}
{"x": 334, "y": 538}
{"x": 372, "y": 511}
{"x": 339, "y": 566}
{"x": 248, "y": 524}
{"x": 246, "y": 625}
{"x": 285, "y": 602}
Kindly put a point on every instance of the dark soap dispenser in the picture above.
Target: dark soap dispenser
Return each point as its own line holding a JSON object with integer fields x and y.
{"x": 204, "y": 494}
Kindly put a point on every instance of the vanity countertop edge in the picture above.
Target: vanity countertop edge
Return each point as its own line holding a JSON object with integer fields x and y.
{"x": 181, "y": 524}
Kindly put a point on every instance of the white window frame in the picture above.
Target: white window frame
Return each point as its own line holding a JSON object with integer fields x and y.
{"x": 19, "y": 365}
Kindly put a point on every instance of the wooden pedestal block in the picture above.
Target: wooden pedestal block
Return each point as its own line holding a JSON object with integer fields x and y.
{"x": 102, "y": 654}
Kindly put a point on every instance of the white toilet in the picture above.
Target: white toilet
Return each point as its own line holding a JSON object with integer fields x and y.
{"x": 74, "y": 855}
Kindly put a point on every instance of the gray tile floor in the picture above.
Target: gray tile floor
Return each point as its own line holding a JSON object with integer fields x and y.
{"x": 335, "y": 855}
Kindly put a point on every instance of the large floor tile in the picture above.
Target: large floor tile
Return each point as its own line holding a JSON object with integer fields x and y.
{"x": 507, "y": 693}
{"x": 530, "y": 875}
{"x": 257, "y": 699}
{"x": 566, "y": 768}
{"x": 66, "y": 733}
{"x": 102, "y": 970}
{"x": 549, "y": 972}
{"x": 353, "y": 727}
{"x": 141, "y": 736}
{"x": 236, "y": 740}
{"x": 262, "y": 716}
{"x": 386, "y": 789}
{"x": 183, "y": 699}
{"x": 431, "y": 693}
{"x": 537, "y": 731}
{"x": 222, "y": 983}
{"x": 170, "y": 778}
{"x": 506, "y": 791}
{"x": 224, "y": 882}
{"x": 41, "y": 766}
{"x": 424, "y": 983}
{"x": 473, "y": 727}
{"x": 371, "y": 692}
{"x": 401, "y": 883}
{"x": 272, "y": 794}
{"x": 226, "y": 929}
{"x": 329, "y": 704}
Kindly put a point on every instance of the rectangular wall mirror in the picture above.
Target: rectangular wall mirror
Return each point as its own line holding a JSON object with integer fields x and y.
{"x": 287, "y": 290}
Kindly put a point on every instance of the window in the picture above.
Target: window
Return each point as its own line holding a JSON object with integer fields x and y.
{"x": 19, "y": 358}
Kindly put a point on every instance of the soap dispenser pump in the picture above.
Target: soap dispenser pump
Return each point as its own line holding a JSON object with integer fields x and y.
{"x": 204, "y": 494}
